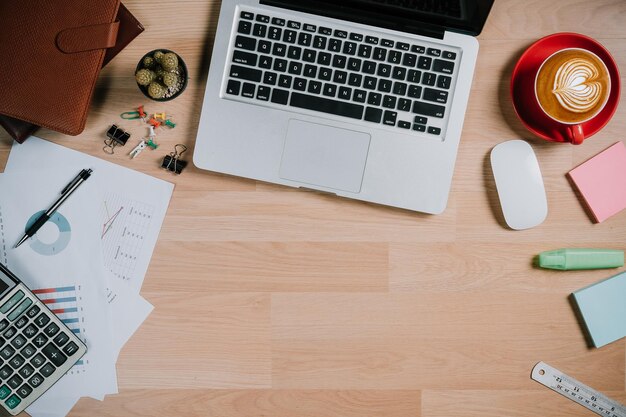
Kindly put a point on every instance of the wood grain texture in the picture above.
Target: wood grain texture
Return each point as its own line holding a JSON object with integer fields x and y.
{"x": 276, "y": 302}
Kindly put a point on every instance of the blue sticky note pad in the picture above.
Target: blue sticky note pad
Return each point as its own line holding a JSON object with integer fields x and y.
{"x": 603, "y": 308}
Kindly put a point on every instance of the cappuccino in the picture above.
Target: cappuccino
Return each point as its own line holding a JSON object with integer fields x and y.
{"x": 572, "y": 86}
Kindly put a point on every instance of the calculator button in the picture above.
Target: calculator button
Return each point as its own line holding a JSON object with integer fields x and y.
{"x": 15, "y": 382}
{"x": 42, "y": 320}
{"x": 47, "y": 370}
{"x": 7, "y": 352}
{"x": 13, "y": 401}
{"x": 27, "y": 371}
{"x": 70, "y": 349}
{"x": 10, "y": 333}
{"x": 54, "y": 354}
{"x": 18, "y": 342}
{"x": 30, "y": 331}
{"x": 4, "y": 324}
{"x": 28, "y": 351}
{"x": 20, "y": 309}
{"x": 4, "y": 392}
{"x": 33, "y": 312}
{"x": 61, "y": 339}
{"x": 35, "y": 381}
{"x": 40, "y": 340}
{"x": 6, "y": 372}
{"x": 17, "y": 361}
{"x": 52, "y": 329}
{"x": 12, "y": 302}
{"x": 24, "y": 391}
{"x": 37, "y": 361}
{"x": 23, "y": 321}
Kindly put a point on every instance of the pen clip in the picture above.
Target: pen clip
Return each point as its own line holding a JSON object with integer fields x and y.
{"x": 79, "y": 177}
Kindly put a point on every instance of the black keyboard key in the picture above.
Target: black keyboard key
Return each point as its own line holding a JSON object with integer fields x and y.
{"x": 325, "y": 31}
{"x": 404, "y": 104}
{"x": 354, "y": 64}
{"x": 371, "y": 40}
{"x": 384, "y": 70}
{"x": 244, "y": 27}
{"x": 414, "y": 76}
{"x": 394, "y": 57}
{"x": 27, "y": 371}
{"x": 4, "y": 324}
{"x": 18, "y": 341}
{"x": 5, "y": 372}
{"x": 278, "y": 21}
{"x": 15, "y": 382}
{"x": 359, "y": 96}
{"x": 365, "y": 51}
{"x": 236, "y": 71}
{"x": 345, "y": 93}
{"x": 420, "y": 120}
{"x": 369, "y": 67}
{"x": 438, "y": 96}
{"x": 278, "y": 96}
{"x": 356, "y": 37}
{"x": 390, "y": 102}
{"x": 409, "y": 60}
{"x": 284, "y": 81}
{"x": 310, "y": 71}
{"x": 280, "y": 65}
{"x": 309, "y": 55}
{"x": 275, "y": 33}
{"x": 246, "y": 91}
{"x": 315, "y": 87}
{"x": 319, "y": 42}
{"x": 38, "y": 360}
{"x": 384, "y": 86}
{"x": 245, "y": 58}
{"x": 428, "y": 109}
{"x": 325, "y": 74}
{"x": 349, "y": 48}
{"x": 31, "y": 330}
{"x": 259, "y": 30}
{"x": 23, "y": 321}
{"x": 380, "y": 54}
{"x": 264, "y": 47}
{"x": 389, "y": 118}
{"x": 444, "y": 81}
{"x": 28, "y": 351}
{"x": 270, "y": 78}
{"x": 448, "y": 55}
{"x": 443, "y": 66}
{"x": 30, "y": 313}
{"x": 47, "y": 370}
{"x": 243, "y": 42}
{"x": 434, "y": 130}
{"x": 370, "y": 83}
{"x": 433, "y": 52}
{"x": 330, "y": 90}
{"x": 341, "y": 34}
{"x": 310, "y": 28}
{"x": 424, "y": 62}
{"x": 262, "y": 18}
{"x": 279, "y": 49}
{"x": 289, "y": 36}
{"x": 70, "y": 349}
{"x": 35, "y": 381}
{"x": 355, "y": 80}
{"x": 294, "y": 52}
{"x": 265, "y": 62}
{"x": 338, "y": 108}
{"x": 294, "y": 25}
{"x": 398, "y": 73}
{"x": 247, "y": 15}
{"x": 7, "y": 352}
{"x": 400, "y": 88}
{"x": 334, "y": 45}
{"x": 304, "y": 39}
{"x": 429, "y": 78}
{"x": 373, "y": 114}
{"x": 387, "y": 42}
{"x": 418, "y": 49}
{"x": 419, "y": 128}
{"x": 340, "y": 77}
{"x": 300, "y": 84}
{"x": 339, "y": 61}
{"x": 40, "y": 340}
{"x": 263, "y": 94}
{"x": 54, "y": 355}
{"x": 404, "y": 125}
{"x": 374, "y": 99}
{"x": 324, "y": 58}
{"x": 402, "y": 46}
{"x": 11, "y": 331}
{"x": 17, "y": 361}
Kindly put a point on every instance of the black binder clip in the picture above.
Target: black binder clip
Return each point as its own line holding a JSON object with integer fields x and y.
{"x": 115, "y": 137}
{"x": 172, "y": 162}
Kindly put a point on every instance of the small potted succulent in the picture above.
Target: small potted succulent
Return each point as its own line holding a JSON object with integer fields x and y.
{"x": 161, "y": 75}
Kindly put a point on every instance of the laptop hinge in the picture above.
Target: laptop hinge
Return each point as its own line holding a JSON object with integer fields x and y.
{"x": 343, "y": 12}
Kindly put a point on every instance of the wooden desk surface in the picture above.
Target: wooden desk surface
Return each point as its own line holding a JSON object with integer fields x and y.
{"x": 282, "y": 303}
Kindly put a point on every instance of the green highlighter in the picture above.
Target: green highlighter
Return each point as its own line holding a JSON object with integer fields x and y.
{"x": 569, "y": 259}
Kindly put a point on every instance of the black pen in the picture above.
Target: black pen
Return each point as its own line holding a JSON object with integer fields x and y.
{"x": 65, "y": 193}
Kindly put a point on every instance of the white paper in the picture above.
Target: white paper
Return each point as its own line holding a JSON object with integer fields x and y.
{"x": 132, "y": 209}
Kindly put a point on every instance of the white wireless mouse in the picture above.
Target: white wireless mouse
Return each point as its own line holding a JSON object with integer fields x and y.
{"x": 520, "y": 184}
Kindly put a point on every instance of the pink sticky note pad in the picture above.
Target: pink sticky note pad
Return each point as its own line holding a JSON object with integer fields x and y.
{"x": 602, "y": 181}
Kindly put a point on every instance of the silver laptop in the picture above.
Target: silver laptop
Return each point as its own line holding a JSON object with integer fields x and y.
{"x": 364, "y": 99}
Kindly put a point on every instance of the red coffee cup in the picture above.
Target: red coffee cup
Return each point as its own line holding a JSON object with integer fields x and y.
{"x": 523, "y": 89}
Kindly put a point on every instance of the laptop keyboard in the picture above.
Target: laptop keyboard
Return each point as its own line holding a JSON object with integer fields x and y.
{"x": 396, "y": 84}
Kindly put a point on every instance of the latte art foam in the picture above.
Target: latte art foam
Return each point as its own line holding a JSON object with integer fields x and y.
{"x": 575, "y": 85}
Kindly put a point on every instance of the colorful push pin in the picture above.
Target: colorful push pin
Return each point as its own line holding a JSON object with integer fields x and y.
{"x": 151, "y": 143}
{"x": 172, "y": 162}
{"x": 116, "y": 137}
{"x": 161, "y": 116}
{"x": 170, "y": 124}
{"x": 134, "y": 115}
{"x": 154, "y": 122}
{"x": 152, "y": 134}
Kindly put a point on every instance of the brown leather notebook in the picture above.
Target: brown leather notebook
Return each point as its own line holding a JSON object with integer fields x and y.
{"x": 56, "y": 50}
{"x": 128, "y": 30}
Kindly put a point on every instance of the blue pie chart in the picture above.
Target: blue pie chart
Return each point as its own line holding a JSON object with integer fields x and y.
{"x": 56, "y": 247}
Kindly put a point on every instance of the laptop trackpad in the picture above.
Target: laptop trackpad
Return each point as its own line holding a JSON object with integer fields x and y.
{"x": 325, "y": 156}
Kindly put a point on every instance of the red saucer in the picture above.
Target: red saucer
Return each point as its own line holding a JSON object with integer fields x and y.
{"x": 523, "y": 86}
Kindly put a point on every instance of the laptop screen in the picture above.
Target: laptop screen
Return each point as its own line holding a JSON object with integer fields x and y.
{"x": 429, "y": 17}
